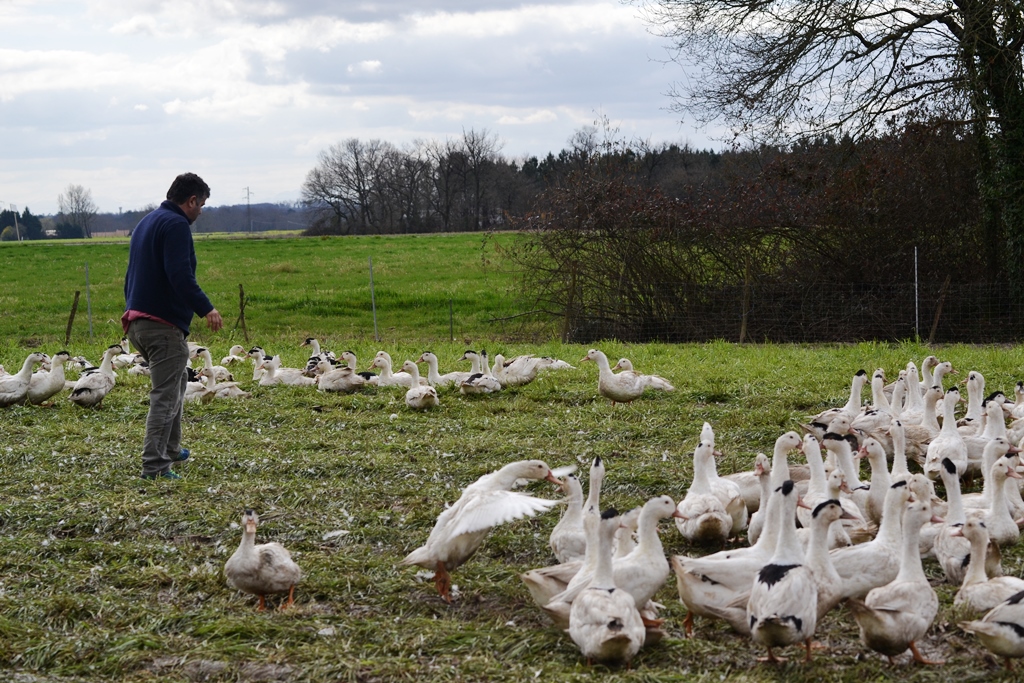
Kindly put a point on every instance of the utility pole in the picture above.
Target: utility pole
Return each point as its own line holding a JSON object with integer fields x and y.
{"x": 248, "y": 208}
{"x": 14, "y": 210}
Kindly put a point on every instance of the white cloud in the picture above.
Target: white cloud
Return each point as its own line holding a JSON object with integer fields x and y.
{"x": 252, "y": 84}
{"x": 367, "y": 66}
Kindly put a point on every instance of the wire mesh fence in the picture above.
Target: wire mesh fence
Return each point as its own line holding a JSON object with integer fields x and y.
{"x": 937, "y": 312}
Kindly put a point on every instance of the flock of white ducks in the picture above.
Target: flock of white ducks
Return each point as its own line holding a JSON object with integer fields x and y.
{"x": 323, "y": 371}
{"x": 861, "y": 545}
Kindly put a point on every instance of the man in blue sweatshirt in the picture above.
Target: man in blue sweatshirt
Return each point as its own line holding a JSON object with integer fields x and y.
{"x": 161, "y": 295}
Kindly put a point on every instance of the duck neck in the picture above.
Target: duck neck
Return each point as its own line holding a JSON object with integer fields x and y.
{"x": 976, "y": 567}
{"x": 701, "y": 466}
{"x": 856, "y": 389}
{"x": 955, "y": 511}
{"x": 929, "y": 417}
{"x": 878, "y": 395}
{"x": 648, "y": 541}
{"x": 899, "y": 452}
{"x": 844, "y": 457}
{"x": 780, "y": 467}
{"x": 999, "y": 511}
{"x": 248, "y": 541}
{"x": 913, "y": 389}
{"x": 433, "y": 376}
{"x": 891, "y": 527}
{"x": 788, "y": 549}
{"x": 817, "y": 546}
{"x": 603, "y": 573}
{"x": 106, "y": 365}
{"x": 879, "y": 473}
{"x": 818, "y": 482}
{"x": 911, "y": 569}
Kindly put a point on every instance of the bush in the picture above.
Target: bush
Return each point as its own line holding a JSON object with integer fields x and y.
{"x": 69, "y": 231}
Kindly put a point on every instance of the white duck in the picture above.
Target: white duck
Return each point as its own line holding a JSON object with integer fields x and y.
{"x": 438, "y": 380}
{"x": 343, "y": 380}
{"x": 522, "y": 370}
{"x": 568, "y": 540}
{"x": 949, "y": 443}
{"x": 1002, "y": 528}
{"x": 486, "y": 503}
{"x": 782, "y": 608}
{"x": 419, "y": 397}
{"x": 387, "y": 378}
{"x": 819, "y": 561}
{"x": 726, "y": 490}
{"x": 217, "y": 373}
{"x": 895, "y": 616}
{"x": 1001, "y": 631}
{"x": 625, "y": 386}
{"x": 952, "y": 550}
{"x": 978, "y": 593}
{"x": 880, "y": 479}
{"x": 126, "y": 357}
{"x": 702, "y": 517}
{"x": 784, "y": 445}
{"x": 257, "y": 355}
{"x": 14, "y": 388}
{"x": 718, "y": 585}
{"x": 762, "y": 469}
{"x": 261, "y": 569}
{"x": 852, "y": 407}
{"x": 276, "y": 374}
{"x": 482, "y": 382}
{"x": 603, "y": 620}
{"x": 45, "y": 385}
{"x": 236, "y": 354}
{"x": 868, "y": 565}
{"x": 350, "y": 359}
{"x": 93, "y": 385}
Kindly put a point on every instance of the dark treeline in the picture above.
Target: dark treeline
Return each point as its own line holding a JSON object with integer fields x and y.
{"x": 463, "y": 184}
{"x": 236, "y": 218}
{"x": 821, "y": 241}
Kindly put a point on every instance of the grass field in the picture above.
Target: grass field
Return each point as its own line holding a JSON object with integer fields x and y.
{"x": 106, "y": 577}
{"x": 294, "y": 287}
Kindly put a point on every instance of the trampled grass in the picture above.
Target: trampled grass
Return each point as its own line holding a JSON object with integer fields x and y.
{"x": 106, "y": 577}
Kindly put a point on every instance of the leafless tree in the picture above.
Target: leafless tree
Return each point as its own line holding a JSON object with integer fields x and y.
{"x": 77, "y": 207}
{"x": 784, "y": 70}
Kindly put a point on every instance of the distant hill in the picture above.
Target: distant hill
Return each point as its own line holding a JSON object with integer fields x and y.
{"x": 236, "y": 218}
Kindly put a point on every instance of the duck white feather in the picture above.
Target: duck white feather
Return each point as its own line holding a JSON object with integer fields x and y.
{"x": 419, "y": 397}
{"x": 484, "y": 504}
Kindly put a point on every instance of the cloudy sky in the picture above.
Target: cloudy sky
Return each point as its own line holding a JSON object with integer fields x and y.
{"x": 121, "y": 96}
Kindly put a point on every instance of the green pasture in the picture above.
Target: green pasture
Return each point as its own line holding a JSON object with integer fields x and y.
{"x": 106, "y": 577}
{"x": 424, "y": 287}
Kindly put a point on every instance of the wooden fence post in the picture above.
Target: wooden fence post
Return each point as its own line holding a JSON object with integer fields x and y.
{"x": 71, "y": 319}
{"x": 241, "y": 313}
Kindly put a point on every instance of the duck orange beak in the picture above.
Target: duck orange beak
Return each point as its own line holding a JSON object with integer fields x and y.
{"x": 553, "y": 479}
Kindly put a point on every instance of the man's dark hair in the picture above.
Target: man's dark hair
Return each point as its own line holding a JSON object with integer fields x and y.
{"x": 186, "y": 186}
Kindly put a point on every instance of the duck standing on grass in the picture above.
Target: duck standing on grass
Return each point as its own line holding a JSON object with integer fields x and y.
{"x": 14, "y": 388}
{"x": 486, "y": 503}
{"x": 261, "y": 569}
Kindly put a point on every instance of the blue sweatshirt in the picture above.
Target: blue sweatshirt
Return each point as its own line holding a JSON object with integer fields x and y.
{"x": 161, "y": 277}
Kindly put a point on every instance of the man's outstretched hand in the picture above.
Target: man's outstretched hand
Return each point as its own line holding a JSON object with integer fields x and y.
{"x": 214, "y": 320}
